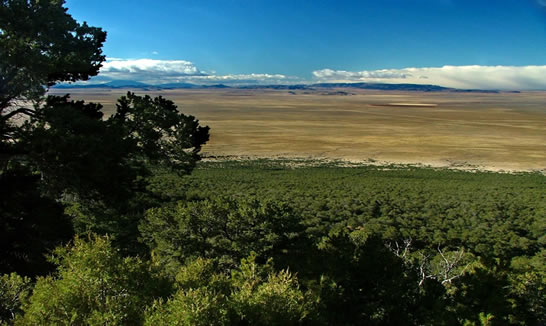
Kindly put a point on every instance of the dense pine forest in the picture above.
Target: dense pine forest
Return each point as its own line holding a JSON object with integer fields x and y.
{"x": 276, "y": 242}
{"x": 117, "y": 220}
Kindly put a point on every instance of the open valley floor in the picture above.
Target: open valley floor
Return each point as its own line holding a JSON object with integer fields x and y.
{"x": 489, "y": 131}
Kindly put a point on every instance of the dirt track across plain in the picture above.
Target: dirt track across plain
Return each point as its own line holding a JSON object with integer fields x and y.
{"x": 492, "y": 131}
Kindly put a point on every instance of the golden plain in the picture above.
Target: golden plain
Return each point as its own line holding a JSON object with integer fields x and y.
{"x": 489, "y": 131}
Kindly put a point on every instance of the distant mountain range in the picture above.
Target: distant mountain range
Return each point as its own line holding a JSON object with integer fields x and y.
{"x": 116, "y": 84}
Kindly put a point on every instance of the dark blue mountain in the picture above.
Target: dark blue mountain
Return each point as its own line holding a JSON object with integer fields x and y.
{"x": 176, "y": 85}
{"x": 386, "y": 87}
{"x": 111, "y": 84}
{"x": 126, "y": 83}
{"x": 372, "y": 86}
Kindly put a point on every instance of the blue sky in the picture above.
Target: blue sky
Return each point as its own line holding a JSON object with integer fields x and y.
{"x": 278, "y": 41}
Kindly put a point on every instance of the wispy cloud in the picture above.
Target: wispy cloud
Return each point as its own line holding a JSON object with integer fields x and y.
{"x": 481, "y": 77}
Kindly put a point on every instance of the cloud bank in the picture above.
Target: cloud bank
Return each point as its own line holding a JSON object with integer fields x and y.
{"x": 466, "y": 77}
{"x": 140, "y": 69}
{"x": 152, "y": 71}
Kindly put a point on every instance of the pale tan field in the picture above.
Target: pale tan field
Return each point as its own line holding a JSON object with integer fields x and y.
{"x": 505, "y": 131}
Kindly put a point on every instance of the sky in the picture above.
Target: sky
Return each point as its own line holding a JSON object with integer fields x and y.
{"x": 488, "y": 44}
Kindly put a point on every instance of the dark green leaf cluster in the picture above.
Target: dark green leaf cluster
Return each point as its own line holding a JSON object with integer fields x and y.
{"x": 30, "y": 224}
{"x": 14, "y": 291}
{"x": 94, "y": 285}
{"x": 64, "y": 168}
{"x": 161, "y": 134}
{"x": 252, "y": 294}
{"x": 222, "y": 229}
{"x": 40, "y": 45}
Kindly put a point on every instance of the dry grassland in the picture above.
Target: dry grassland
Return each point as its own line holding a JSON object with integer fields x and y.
{"x": 505, "y": 131}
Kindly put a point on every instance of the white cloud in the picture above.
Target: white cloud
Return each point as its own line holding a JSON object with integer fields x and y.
{"x": 147, "y": 69}
{"x": 473, "y": 77}
{"x": 154, "y": 71}
{"x": 155, "y": 52}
